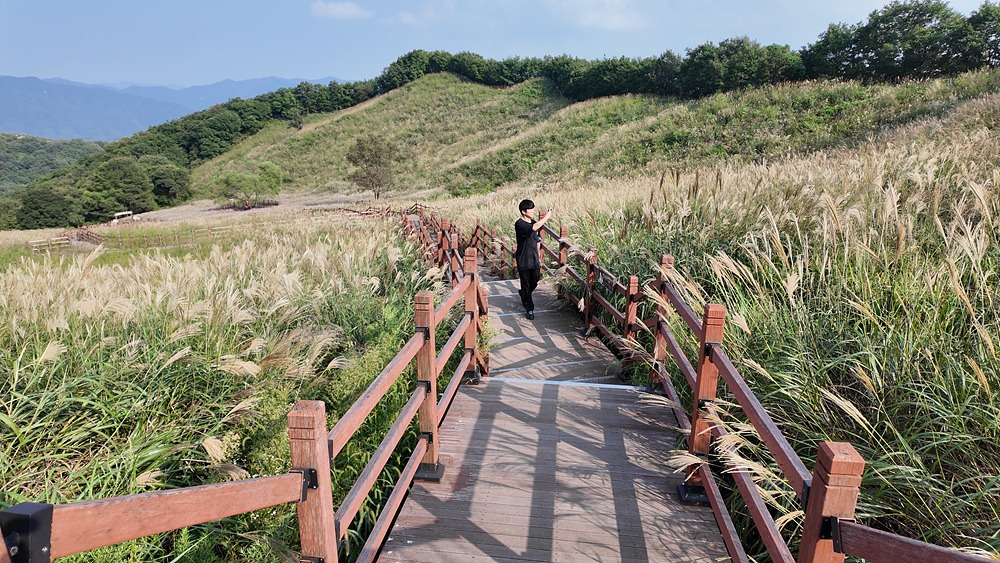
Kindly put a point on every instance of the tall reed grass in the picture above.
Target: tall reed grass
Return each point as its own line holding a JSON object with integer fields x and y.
{"x": 164, "y": 370}
{"x": 861, "y": 291}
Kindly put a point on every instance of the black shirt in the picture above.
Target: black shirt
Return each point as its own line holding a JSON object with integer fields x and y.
{"x": 527, "y": 245}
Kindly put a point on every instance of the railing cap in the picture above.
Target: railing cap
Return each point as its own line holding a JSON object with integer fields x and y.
{"x": 840, "y": 458}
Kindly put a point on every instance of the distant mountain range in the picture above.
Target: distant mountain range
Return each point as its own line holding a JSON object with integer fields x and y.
{"x": 54, "y": 108}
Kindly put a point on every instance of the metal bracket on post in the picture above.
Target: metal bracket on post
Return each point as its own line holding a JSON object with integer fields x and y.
{"x": 427, "y": 332}
{"x": 311, "y": 559}
{"x": 429, "y": 471}
{"x": 29, "y": 532}
{"x": 310, "y": 480}
{"x": 838, "y": 544}
{"x": 693, "y": 493}
{"x": 470, "y": 377}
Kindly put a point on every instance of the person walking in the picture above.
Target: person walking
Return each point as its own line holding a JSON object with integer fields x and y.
{"x": 529, "y": 263}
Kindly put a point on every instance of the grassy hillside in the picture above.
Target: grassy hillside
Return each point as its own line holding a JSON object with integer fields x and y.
{"x": 465, "y": 137}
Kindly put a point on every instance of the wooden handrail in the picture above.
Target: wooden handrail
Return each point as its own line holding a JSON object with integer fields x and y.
{"x": 448, "y": 395}
{"x": 456, "y": 295}
{"x": 449, "y": 347}
{"x": 877, "y": 546}
{"x": 789, "y": 462}
{"x": 385, "y": 520}
{"x": 364, "y": 483}
{"x": 362, "y": 407}
{"x": 83, "y": 526}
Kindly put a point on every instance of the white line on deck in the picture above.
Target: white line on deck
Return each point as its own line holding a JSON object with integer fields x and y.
{"x": 567, "y": 383}
{"x": 540, "y": 335}
{"x": 535, "y": 366}
{"x": 522, "y": 314}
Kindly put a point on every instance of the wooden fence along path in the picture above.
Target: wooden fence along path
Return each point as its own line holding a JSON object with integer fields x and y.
{"x": 551, "y": 458}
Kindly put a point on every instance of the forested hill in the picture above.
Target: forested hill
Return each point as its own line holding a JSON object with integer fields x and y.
{"x": 23, "y": 158}
{"x": 567, "y": 117}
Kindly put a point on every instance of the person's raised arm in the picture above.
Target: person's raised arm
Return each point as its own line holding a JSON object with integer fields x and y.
{"x": 541, "y": 221}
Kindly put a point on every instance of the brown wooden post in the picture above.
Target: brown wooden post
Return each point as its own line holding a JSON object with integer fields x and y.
{"x": 833, "y": 494}
{"x": 455, "y": 265}
{"x": 4, "y": 550}
{"x": 588, "y": 309}
{"x": 513, "y": 260}
{"x": 472, "y": 310}
{"x": 442, "y": 243}
{"x": 662, "y": 314}
{"x": 706, "y": 387}
{"x": 631, "y": 307}
{"x": 563, "y": 259}
{"x": 430, "y": 467}
{"x": 317, "y": 523}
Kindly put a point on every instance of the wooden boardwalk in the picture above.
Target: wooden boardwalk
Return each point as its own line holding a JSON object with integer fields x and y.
{"x": 552, "y": 459}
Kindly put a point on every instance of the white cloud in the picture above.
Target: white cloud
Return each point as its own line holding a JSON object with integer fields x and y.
{"x": 339, "y": 10}
{"x": 611, "y": 15}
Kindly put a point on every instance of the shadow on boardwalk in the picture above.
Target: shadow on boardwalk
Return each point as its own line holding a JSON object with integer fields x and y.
{"x": 550, "y": 459}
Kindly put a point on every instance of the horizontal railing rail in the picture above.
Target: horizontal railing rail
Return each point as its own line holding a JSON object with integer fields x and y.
{"x": 827, "y": 496}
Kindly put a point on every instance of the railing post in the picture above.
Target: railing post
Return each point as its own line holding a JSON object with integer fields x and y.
{"x": 453, "y": 245}
{"x": 430, "y": 467}
{"x": 834, "y": 494}
{"x": 442, "y": 243}
{"x": 662, "y": 314}
{"x": 631, "y": 308}
{"x": 588, "y": 306}
{"x": 706, "y": 387}
{"x": 4, "y": 549}
{"x": 513, "y": 261}
{"x": 310, "y": 451}
{"x": 472, "y": 311}
{"x": 563, "y": 258}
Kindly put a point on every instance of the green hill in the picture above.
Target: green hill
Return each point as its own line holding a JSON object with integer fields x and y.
{"x": 467, "y": 137}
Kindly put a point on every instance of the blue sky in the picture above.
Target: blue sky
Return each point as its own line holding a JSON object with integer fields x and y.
{"x": 190, "y": 42}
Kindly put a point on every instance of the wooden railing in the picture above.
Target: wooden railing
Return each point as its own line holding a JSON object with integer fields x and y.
{"x": 828, "y": 496}
{"x": 45, "y": 245}
{"x": 37, "y": 532}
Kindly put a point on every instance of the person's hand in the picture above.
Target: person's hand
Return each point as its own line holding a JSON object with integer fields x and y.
{"x": 548, "y": 212}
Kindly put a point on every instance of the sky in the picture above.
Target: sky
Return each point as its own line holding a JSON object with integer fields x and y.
{"x": 192, "y": 42}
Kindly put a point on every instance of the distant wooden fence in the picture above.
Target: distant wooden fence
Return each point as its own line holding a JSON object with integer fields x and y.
{"x": 828, "y": 495}
{"x": 38, "y": 532}
{"x": 49, "y": 244}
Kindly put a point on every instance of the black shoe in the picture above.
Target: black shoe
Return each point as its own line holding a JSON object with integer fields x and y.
{"x": 531, "y": 315}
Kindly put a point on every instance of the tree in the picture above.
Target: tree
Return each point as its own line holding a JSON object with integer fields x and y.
{"x": 373, "y": 157}
{"x": 404, "y": 70}
{"x": 171, "y": 183}
{"x": 666, "y": 74}
{"x": 124, "y": 179}
{"x": 986, "y": 26}
{"x": 249, "y": 183}
{"x": 834, "y": 55}
{"x": 42, "y": 208}
{"x": 914, "y": 39}
{"x": 701, "y": 71}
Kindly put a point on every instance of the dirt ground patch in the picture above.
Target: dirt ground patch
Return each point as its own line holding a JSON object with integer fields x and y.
{"x": 208, "y": 210}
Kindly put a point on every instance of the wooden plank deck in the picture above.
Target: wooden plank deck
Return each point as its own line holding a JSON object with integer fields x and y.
{"x": 551, "y": 459}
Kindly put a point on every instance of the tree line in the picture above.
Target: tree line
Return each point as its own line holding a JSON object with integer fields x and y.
{"x": 911, "y": 39}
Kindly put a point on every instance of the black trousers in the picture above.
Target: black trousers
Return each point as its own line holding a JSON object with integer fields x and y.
{"x": 529, "y": 281}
